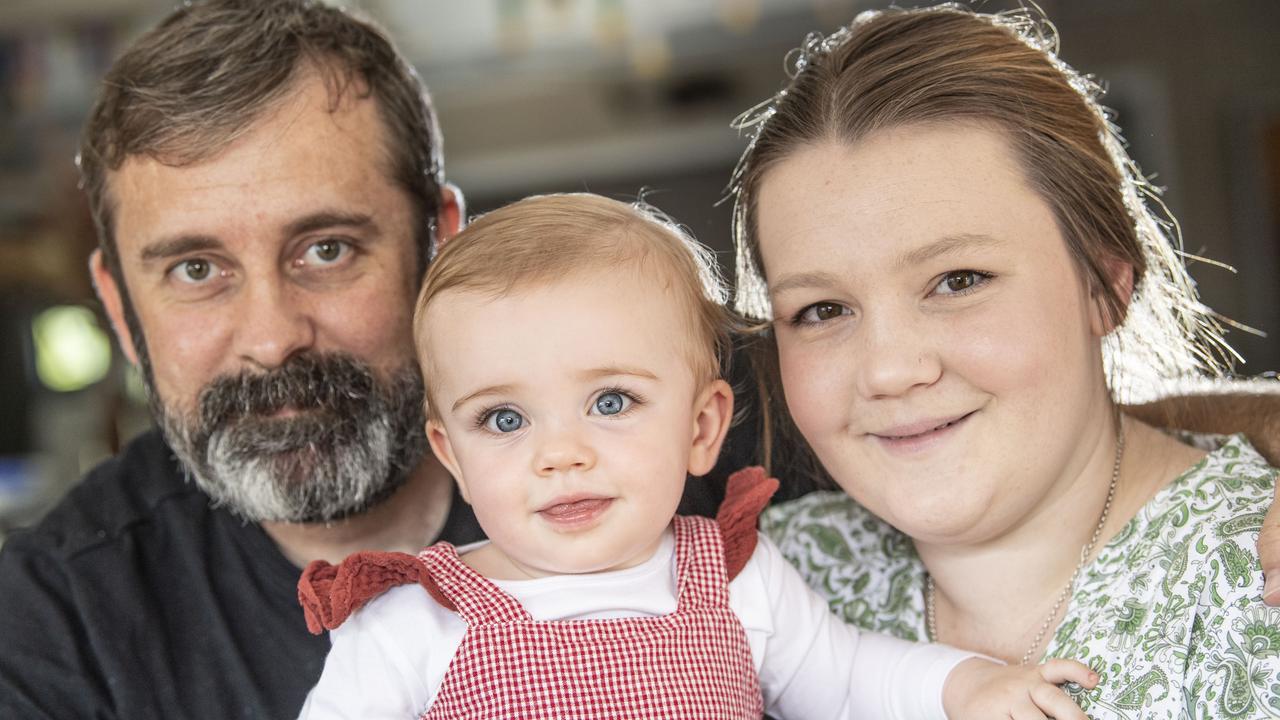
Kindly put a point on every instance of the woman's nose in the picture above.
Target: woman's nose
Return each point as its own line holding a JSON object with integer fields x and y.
{"x": 563, "y": 449}
{"x": 895, "y": 357}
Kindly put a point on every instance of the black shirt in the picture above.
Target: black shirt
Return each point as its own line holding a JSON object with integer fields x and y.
{"x": 136, "y": 599}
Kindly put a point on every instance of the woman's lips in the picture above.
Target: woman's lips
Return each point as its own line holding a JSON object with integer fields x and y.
{"x": 576, "y": 512}
{"x": 917, "y": 436}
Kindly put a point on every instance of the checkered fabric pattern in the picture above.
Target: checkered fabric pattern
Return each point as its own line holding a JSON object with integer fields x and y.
{"x": 693, "y": 663}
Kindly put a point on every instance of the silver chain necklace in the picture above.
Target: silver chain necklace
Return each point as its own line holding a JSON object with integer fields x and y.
{"x": 931, "y": 618}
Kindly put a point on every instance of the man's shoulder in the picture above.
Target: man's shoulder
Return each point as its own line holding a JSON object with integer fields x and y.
{"x": 117, "y": 495}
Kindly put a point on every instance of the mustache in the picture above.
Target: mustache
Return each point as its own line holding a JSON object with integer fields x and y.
{"x": 334, "y": 383}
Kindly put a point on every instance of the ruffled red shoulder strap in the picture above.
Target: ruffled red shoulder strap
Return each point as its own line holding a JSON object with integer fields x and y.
{"x": 330, "y": 593}
{"x": 745, "y": 496}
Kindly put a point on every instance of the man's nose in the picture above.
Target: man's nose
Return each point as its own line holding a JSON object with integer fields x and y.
{"x": 563, "y": 448}
{"x": 275, "y": 324}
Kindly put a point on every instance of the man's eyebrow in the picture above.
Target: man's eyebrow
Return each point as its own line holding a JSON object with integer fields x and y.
{"x": 614, "y": 371}
{"x": 328, "y": 219}
{"x": 183, "y": 244}
{"x": 482, "y": 392}
{"x": 178, "y": 245}
{"x": 946, "y": 246}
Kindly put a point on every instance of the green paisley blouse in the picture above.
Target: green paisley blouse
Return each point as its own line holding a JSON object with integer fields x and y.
{"x": 1170, "y": 614}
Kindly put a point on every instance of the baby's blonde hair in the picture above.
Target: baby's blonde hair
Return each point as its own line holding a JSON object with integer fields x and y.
{"x": 547, "y": 238}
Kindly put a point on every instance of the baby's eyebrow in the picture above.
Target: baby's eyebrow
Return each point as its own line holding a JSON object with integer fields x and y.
{"x": 482, "y": 392}
{"x": 616, "y": 370}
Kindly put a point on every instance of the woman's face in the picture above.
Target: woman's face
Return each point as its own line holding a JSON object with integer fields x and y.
{"x": 939, "y": 349}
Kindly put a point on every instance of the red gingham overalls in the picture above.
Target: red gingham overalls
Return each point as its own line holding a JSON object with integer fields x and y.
{"x": 693, "y": 663}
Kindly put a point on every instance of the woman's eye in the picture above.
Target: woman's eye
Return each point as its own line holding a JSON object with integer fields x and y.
{"x": 821, "y": 312}
{"x": 504, "y": 421}
{"x": 960, "y": 281}
{"x": 194, "y": 271}
{"x": 327, "y": 252}
{"x": 612, "y": 403}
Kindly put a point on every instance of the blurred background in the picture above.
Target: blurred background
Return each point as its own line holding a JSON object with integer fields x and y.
{"x": 611, "y": 96}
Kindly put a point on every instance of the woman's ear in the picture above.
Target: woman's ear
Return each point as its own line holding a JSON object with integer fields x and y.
{"x": 1119, "y": 276}
{"x": 449, "y": 218}
{"x": 713, "y": 412}
{"x": 438, "y": 439}
{"x": 108, "y": 290}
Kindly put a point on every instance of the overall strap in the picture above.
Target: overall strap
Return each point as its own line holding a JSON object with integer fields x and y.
{"x": 475, "y": 597}
{"x": 710, "y": 553}
{"x": 746, "y": 495}
{"x": 330, "y": 593}
{"x": 701, "y": 580}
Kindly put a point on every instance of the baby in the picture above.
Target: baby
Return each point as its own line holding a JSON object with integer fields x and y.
{"x": 572, "y": 349}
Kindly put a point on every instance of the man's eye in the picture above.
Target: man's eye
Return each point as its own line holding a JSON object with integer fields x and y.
{"x": 327, "y": 252}
{"x": 612, "y": 403}
{"x": 820, "y": 313}
{"x": 504, "y": 420}
{"x": 193, "y": 272}
{"x": 959, "y": 282}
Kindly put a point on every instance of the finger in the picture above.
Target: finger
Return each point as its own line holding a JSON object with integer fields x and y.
{"x": 1024, "y": 708}
{"x": 1058, "y": 671}
{"x": 1056, "y": 703}
{"x": 1269, "y": 551}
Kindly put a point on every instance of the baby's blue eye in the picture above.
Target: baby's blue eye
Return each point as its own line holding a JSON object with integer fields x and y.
{"x": 504, "y": 421}
{"x": 611, "y": 403}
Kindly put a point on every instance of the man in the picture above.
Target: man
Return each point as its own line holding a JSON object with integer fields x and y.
{"x": 266, "y": 181}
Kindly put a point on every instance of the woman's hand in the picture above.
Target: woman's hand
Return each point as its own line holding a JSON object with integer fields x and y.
{"x": 979, "y": 688}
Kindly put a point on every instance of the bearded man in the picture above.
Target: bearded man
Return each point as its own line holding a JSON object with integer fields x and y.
{"x": 266, "y": 182}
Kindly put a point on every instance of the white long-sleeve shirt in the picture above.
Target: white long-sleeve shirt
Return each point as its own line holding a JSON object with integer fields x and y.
{"x": 389, "y": 659}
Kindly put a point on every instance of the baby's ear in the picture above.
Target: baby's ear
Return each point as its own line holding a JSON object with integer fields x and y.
{"x": 712, "y": 414}
{"x": 438, "y": 439}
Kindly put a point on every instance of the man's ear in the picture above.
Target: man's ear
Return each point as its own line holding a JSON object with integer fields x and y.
{"x": 713, "y": 412}
{"x": 438, "y": 439}
{"x": 104, "y": 284}
{"x": 1119, "y": 276}
{"x": 449, "y": 219}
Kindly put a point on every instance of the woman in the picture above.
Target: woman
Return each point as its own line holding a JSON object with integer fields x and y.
{"x": 964, "y": 276}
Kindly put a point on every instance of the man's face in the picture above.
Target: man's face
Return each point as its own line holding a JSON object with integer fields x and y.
{"x": 274, "y": 284}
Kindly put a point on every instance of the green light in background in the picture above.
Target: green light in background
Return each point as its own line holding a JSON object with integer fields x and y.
{"x": 72, "y": 351}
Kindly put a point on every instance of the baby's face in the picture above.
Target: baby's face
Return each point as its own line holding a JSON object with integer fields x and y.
{"x": 569, "y": 414}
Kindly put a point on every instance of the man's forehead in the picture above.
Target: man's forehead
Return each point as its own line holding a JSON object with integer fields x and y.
{"x": 304, "y": 153}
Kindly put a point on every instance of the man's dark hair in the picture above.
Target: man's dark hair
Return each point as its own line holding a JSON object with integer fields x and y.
{"x": 200, "y": 79}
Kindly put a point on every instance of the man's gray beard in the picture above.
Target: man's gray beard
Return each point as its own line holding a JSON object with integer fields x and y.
{"x": 350, "y": 441}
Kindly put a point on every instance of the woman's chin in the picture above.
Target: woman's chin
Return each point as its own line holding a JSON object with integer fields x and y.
{"x": 931, "y": 504}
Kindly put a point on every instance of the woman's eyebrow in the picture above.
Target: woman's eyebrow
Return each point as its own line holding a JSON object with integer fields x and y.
{"x": 804, "y": 280}
{"x": 944, "y": 246}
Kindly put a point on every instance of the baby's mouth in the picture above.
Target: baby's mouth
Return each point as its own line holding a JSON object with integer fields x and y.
{"x": 574, "y": 511}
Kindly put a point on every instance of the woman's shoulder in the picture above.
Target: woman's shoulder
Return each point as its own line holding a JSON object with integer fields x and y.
{"x": 868, "y": 571}
{"x": 1212, "y": 511}
{"x": 1172, "y": 608}
{"x": 829, "y": 526}
{"x": 1225, "y": 494}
